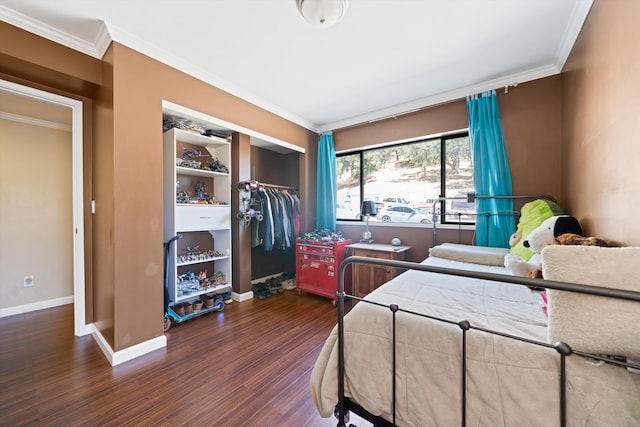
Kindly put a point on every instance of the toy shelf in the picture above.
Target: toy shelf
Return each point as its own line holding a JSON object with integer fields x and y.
{"x": 200, "y": 261}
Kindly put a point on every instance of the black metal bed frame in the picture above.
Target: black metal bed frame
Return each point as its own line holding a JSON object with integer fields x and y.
{"x": 564, "y": 350}
{"x": 471, "y": 197}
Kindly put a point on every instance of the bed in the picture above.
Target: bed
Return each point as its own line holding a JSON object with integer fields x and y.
{"x": 455, "y": 340}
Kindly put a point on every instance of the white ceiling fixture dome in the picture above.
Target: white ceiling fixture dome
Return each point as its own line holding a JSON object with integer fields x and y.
{"x": 322, "y": 13}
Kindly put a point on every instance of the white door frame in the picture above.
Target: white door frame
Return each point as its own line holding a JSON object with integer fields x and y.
{"x": 80, "y": 326}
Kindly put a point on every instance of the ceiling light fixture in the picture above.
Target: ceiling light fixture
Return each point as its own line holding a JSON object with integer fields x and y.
{"x": 322, "y": 13}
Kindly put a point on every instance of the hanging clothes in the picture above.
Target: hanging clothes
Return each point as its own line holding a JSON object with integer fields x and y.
{"x": 281, "y": 218}
{"x": 267, "y": 230}
{"x": 256, "y": 240}
{"x": 296, "y": 214}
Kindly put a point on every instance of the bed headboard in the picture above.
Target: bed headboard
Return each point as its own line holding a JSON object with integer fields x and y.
{"x": 518, "y": 201}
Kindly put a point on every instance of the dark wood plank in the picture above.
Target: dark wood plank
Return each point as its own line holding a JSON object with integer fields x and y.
{"x": 248, "y": 365}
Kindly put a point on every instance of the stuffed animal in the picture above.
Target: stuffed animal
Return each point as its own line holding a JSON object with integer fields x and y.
{"x": 565, "y": 239}
{"x": 537, "y": 239}
{"x": 577, "y": 240}
{"x": 532, "y": 214}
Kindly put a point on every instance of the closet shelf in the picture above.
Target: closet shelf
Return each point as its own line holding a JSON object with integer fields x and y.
{"x": 218, "y": 289}
{"x": 200, "y": 261}
{"x": 198, "y": 172}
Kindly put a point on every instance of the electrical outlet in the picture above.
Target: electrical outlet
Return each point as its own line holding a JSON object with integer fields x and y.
{"x": 27, "y": 282}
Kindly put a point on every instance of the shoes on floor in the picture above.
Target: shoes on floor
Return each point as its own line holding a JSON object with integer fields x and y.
{"x": 261, "y": 290}
{"x": 227, "y": 298}
{"x": 274, "y": 285}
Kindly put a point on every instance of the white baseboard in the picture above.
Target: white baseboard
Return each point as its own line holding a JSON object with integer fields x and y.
{"x": 114, "y": 358}
{"x": 41, "y": 305}
{"x": 118, "y": 357}
{"x": 262, "y": 279}
{"x": 242, "y": 297}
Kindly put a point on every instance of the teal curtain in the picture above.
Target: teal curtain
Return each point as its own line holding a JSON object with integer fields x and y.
{"x": 327, "y": 183}
{"x": 491, "y": 173}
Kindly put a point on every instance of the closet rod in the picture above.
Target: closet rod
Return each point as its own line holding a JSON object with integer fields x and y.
{"x": 284, "y": 187}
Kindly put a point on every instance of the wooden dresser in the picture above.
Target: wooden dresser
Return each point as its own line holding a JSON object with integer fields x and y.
{"x": 366, "y": 278}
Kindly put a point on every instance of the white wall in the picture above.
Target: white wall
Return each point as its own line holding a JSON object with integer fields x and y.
{"x": 35, "y": 213}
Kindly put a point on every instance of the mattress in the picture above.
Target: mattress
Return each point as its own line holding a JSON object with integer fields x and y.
{"x": 509, "y": 382}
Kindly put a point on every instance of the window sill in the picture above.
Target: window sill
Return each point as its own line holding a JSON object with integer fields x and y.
{"x": 372, "y": 224}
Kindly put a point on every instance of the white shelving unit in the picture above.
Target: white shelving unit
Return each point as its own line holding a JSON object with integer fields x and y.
{"x": 205, "y": 245}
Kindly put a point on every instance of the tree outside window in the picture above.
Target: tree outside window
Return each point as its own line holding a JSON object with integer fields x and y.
{"x": 408, "y": 177}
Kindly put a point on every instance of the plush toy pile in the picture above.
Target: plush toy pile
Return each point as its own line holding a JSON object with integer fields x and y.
{"x": 532, "y": 215}
{"x": 542, "y": 223}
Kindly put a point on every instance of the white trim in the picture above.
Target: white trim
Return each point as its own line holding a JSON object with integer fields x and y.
{"x": 80, "y": 326}
{"x": 265, "y": 278}
{"x": 36, "y": 122}
{"x": 111, "y": 32}
{"x": 441, "y": 98}
{"x": 578, "y": 17}
{"x": 168, "y": 58}
{"x": 117, "y": 357}
{"x": 47, "y": 31}
{"x": 35, "y": 306}
{"x": 187, "y": 113}
{"x": 242, "y": 297}
{"x": 102, "y": 42}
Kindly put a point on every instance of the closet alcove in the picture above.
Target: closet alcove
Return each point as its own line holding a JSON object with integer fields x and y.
{"x": 259, "y": 157}
{"x": 278, "y": 172}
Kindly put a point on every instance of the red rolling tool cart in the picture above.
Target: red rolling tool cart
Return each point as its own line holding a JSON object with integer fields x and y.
{"x": 317, "y": 265}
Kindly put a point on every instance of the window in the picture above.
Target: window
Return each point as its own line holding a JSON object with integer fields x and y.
{"x": 404, "y": 180}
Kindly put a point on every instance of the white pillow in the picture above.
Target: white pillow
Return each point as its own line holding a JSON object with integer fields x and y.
{"x": 469, "y": 253}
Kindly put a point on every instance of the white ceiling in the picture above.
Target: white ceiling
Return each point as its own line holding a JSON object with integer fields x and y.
{"x": 386, "y": 57}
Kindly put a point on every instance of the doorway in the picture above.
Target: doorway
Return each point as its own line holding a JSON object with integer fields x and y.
{"x": 77, "y": 199}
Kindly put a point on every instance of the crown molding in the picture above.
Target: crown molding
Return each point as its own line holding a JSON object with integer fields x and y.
{"x": 110, "y": 32}
{"x": 441, "y": 98}
{"x": 103, "y": 40}
{"x": 125, "y": 38}
{"x": 48, "y": 32}
{"x": 578, "y": 17}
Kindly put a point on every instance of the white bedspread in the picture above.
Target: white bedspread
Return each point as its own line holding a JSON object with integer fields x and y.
{"x": 509, "y": 383}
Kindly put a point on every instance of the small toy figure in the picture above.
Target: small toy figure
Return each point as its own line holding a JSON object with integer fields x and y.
{"x": 200, "y": 190}
{"x": 202, "y": 275}
{"x": 219, "y": 278}
{"x": 182, "y": 197}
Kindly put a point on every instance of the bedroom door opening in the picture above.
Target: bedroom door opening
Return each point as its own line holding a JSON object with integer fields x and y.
{"x": 76, "y": 232}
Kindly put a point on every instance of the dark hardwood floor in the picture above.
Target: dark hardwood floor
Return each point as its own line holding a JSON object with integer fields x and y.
{"x": 248, "y": 365}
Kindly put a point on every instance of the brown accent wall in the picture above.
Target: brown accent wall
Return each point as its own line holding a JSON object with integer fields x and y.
{"x": 531, "y": 123}
{"x": 103, "y": 193}
{"x": 41, "y": 61}
{"x": 531, "y": 116}
{"x": 430, "y": 121}
{"x": 140, "y": 85}
{"x": 601, "y": 123}
{"x": 65, "y": 72}
{"x": 241, "y": 236}
{"x": 125, "y": 92}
